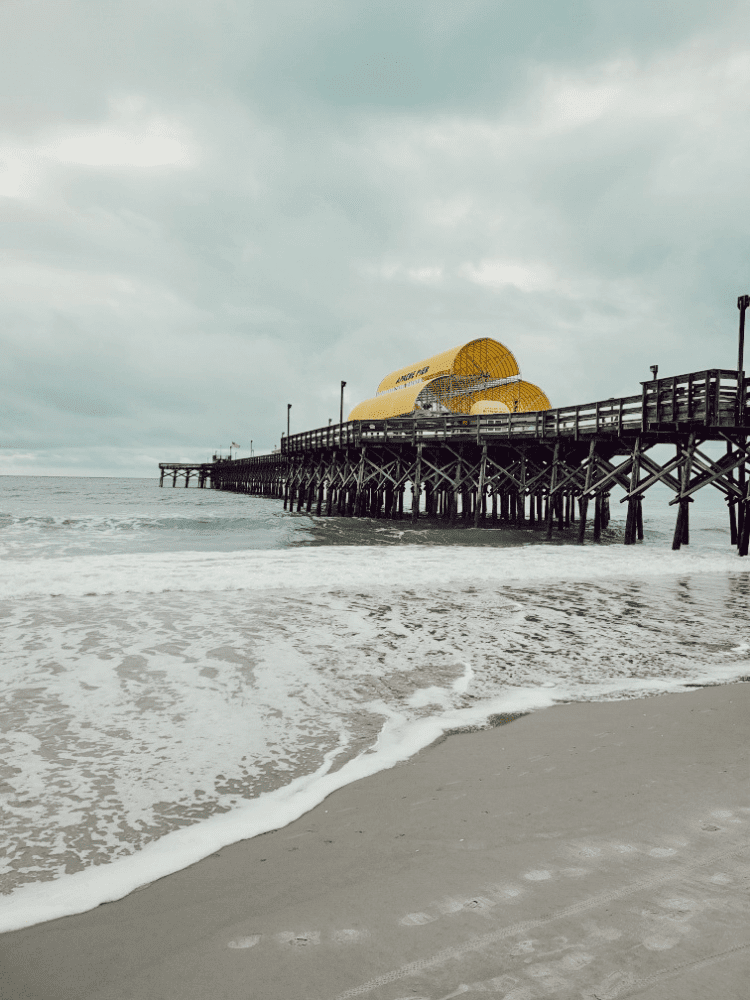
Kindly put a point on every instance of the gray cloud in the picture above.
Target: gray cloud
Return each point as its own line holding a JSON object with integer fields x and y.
{"x": 210, "y": 210}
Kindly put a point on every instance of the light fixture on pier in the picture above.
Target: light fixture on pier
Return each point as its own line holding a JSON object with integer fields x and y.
{"x": 743, "y": 302}
{"x": 654, "y": 371}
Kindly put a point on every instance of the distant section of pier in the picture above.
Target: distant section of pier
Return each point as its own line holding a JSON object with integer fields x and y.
{"x": 534, "y": 468}
{"x": 186, "y": 471}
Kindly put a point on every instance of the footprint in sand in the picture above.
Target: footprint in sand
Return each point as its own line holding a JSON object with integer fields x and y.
{"x": 298, "y": 940}
{"x": 589, "y": 851}
{"x": 578, "y": 960}
{"x": 349, "y": 935}
{"x": 538, "y": 876}
{"x": 245, "y": 942}
{"x": 574, "y": 872}
{"x": 605, "y": 933}
{"x": 681, "y": 905}
{"x": 506, "y": 891}
{"x": 416, "y": 919}
{"x": 614, "y": 984}
{"x": 658, "y": 942}
{"x": 522, "y": 948}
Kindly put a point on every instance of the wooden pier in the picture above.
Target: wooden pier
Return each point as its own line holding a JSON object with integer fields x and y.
{"x": 540, "y": 469}
{"x": 202, "y": 470}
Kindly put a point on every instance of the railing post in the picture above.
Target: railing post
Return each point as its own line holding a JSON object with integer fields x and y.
{"x": 707, "y": 392}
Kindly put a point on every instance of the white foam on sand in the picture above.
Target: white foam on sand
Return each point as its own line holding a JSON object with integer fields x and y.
{"x": 399, "y": 739}
{"x": 349, "y": 568}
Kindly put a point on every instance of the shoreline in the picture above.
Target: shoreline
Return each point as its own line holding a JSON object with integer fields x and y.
{"x": 499, "y": 860}
{"x": 398, "y": 741}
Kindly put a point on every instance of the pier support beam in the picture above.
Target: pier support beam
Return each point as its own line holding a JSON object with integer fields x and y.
{"x": 682, "y": 527}
{"x": 551, "y": 493}
{"x": 631, "y": 522}
{"x": 584, "y": 497}
{"x": 479, "y": 509}
{"x": 416, "y": 485}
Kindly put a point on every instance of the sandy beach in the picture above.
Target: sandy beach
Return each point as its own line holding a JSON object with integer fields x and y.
{"x": 586, "y": 850}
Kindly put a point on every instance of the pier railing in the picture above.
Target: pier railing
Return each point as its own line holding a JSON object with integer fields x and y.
{"x": 705, "y": 399}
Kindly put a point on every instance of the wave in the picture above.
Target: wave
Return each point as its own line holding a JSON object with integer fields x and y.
{"x": 410, "y": 566}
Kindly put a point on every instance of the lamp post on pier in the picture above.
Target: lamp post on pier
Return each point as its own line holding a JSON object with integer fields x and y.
{"x": 288, "y": 408}
{"x": 742, "y": 532}
{"x": 341, "y": 407}
{"x": 742, "y": 303}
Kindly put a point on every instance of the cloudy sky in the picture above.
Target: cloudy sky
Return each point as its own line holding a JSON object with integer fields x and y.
{"x": 211, "y": 208}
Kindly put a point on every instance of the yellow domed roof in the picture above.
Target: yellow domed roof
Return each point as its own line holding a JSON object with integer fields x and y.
{"x": 479, "y": 377}
{"x": 389, "y": 404}
{"x": 484, "y": 357}
{"x": 519, "y": 397}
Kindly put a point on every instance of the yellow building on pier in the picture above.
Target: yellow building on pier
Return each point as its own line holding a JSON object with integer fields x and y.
{"x": 479, "y": 377}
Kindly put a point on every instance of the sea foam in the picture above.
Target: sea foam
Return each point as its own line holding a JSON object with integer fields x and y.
{"x": 349, "y": 568}
{"x": 399, "y": 740}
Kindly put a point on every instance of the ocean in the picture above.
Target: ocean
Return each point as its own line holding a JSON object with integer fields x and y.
{"x": 182, "y": 668}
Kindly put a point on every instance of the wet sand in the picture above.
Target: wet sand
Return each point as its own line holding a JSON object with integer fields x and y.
{"x": 588, "y": 850}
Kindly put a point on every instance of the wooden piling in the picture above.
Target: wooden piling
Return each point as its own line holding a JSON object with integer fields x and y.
{"x": 478, "y": 511}
{"x": 417, "y": 485}
{"x": 631, "y": 519}
{"x": 553, "y": 483}
{"x": 731, "y": 504}
{"x": 682, "y": 527}
{"x": 597, "y": 517}
{"x": 744, "y": 539}
{"x": 587, "y": 486}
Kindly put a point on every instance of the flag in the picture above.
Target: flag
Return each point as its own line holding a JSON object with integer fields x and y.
{"x": 234, "y": 444}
